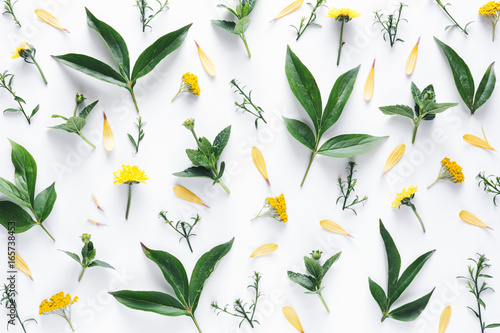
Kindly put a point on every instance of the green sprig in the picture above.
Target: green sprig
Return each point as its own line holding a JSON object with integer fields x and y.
{"x": 8, "y": 7}
{"x": 144, "y": 7}
{"x": 391, "y": 24}
{"x": 464, "y": 29}
{"x": 10, "y": 303}
{"x": 491, "y": 184}
{"x": 347, "y": 186}
{"x": 184, "y": 229}
{"x": 6, "y": 83}
{"x": 312, "y": 18}
{"x": 247, "y": 103}
{"x": 140, "y": 134}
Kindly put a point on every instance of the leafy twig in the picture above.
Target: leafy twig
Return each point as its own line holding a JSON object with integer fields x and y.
{"x": 240, "y": 307}
{"x": 390, "y": 25}
{"x": 477, "y": 288}
{"x": 184, "y": 229}
{"x": 10, "y": 303}
{"x": 8, "y": 7}
{"x": 144, "y": 6}
{"x": 6, "y": 83}
{"x": 247, "y": 101}
{"x": 303, "y": 24}
{"x": 464, "y": 30}
{"x": 140, "y": 134}
{"x": 491, "y": 184}
{"x": 347, "y": 186}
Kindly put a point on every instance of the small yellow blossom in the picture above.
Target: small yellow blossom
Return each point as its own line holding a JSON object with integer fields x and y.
{"x": 189, "y": 84}
{"x": 277, "y": 208}
{"x": 343, "y": 14}
{"x": 129, "y": 174}
{"x": 404, "y": 195}
{"x": 59, "y": 304}
{"x": 23, "y": 50}
{"x": 451, "y": 171}
{"x": 491, "y": 11}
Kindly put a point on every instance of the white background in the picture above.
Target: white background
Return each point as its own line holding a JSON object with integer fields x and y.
{"x": 78, "y": 171}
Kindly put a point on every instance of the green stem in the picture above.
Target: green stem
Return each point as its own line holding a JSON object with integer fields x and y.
{"x": 242, "y": 36}
{"x": 128, "y": 200}
{"x": 196, "y": 323}
{"x": 417, "y": 123}
{"x": 48, "y": 233}
{"x": 76, "y": 109}
{"x": 39, "y": 69}
{"x": 451, "y": 17}
{"x": 433, "y": 183}
{"x": 323, "y": 301}
{"x": 223, "y": 186}
{"x": 308, "y": 167}
{"x": 81, "y": 275}
{"x": 341, "y": 43}
{"x": 69, "y": 322}
{"x": 133, "y": 98}
{"x": 418, "y": 216}
{"x": 180, "y": 90}
{"x": 80, "y": 134}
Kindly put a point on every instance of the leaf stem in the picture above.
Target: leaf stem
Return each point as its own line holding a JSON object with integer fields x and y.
{"x": 451, "y": 17}
{"x": 415, "y": 129}
{"x": 323, "y": 301}
{"x": 39, "y": 69}
{"x": 48, "y": 233}
{"x": 242, "y": 36}
{"x": 195, "y": 322}
{"x": 80, "y": 134}
{"x": 341, "y": 43}
{"x": 223, "y": 186}
{"x": 129, "y": 199}
{"x": 81, "y": 275}
{"x": 131, "y": 90}
{"x": 418, "y": 216}
{"x": 308, "y": 167}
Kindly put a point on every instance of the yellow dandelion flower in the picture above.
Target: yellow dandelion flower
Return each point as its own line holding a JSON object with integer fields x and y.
{"x": 404, "y": 198}
{"x": 59, "y": 304}
{"x": 343, "y": 14}
{"x": 491, "y": 11}
{"x": 277, "y": 209}
{"x": 129, "y": 175}
{"x": 451, "y": 171}
{"x": 189, "y": 84}
{"x": 22, "y": 51}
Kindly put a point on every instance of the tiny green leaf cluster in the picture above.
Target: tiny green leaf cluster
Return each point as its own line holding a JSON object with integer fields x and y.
{"x": 8, "y": 7}
{"x": 140, "y": 135}
{"x": 391, "y": 24}
{"x": 491, "y": 184}
{"x": 6, "y": 83}
{"x": 347, "y": 186}
{"x": 144, "y": 7}
{"x": 312, "y": 18}
{"x": 184, "y": 229}
{"x": 247, "y": 103}
{"x": 9, "y": 296}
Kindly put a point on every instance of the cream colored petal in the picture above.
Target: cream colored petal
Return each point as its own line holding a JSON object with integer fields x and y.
{"x": 412, "y": 59}
{"x": 97, "y": 202}
{"x": 292, "y": 318}
{"x": 49, "y": 19}
{"x": 289, "y": 9}
{"x": 333, "y": 227}
{"x": 264, "y": 249}
{"x": 445, "y": 319}
{"x": 107, "y": 135}
{"x": 470, "y": 218}
{"x": 478, "y": 142}
{"x": 207, "y": 64}
{"x": 95, "y": 222}
{"x": 22, "y": 266}
{"x": 260, "y": 163}
{"x": 187, "y": 195}
{"x": 370, "y": 83}
{"x": 394, "y": 157}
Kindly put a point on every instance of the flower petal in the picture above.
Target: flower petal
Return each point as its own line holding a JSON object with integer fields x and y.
{"x": 478, "y": 142}
{"x": 107, "y": 135}
{"x": 207, "y": 64}
{"x": 370, "y": 83}
{"x": 394, "y": 157}
{"x": 333, "y": 227}
{"x": 288, "y": 9}
{"x": 260, "y": 163}
{"x": 412, "y": 59}
{"x": 95, "y": 222}
{"x": 22, "y": 266}
{"x": 187, "y": 195}
{"x": 97, "y": 202}
{"x": 264, "y": 249}
{"x": 470, "y": 218}
{"x": 445, "y": 319}
{"x": 49, "y": 19}
{"x": 292, "y": 318}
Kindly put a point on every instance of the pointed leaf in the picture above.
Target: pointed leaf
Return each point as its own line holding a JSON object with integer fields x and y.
{"x": 226, "y": 25}
{"x": 197, "y": 158}
{"x": 393, "y": 260}
{"x": 197, "y": 171}
{"x": 434, "y": 108}
{"x": 86, "y": 111}
{"x": 412, "y": 310}
{"x": 10, "y": 212}
{"x": 228, "y": 8}
{"x": 44, "y": 202}
{"x": 402, "y": 110}
{"x": 330, "y": 262}
{"x": 314, "y": 268}
{"x": 302, "y": 280}
{"x": 75, "y": 124}
{"x": 73, "y": 255}
{"x": 100, "y": 263}
{"x": 151, "y": 301}
{"x": 10, "y": 190}
{"x": 485, "y": 89}
{"x": 25, "y": 171}
{"x": 378, "y": 294}
{"x": 221, "y": 140}
{"x": 349, "y": 145}
{"x": 301, "y": 132}
{"x": 242, "y": 26}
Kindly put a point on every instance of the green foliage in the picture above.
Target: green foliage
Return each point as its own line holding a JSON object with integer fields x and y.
{"x": 347, "y": 186}
{"x": 491, "y": 184}
{"x": 390, "y": 25}
{"x": 8, "y": 295}
{"x": 247, "y": 104}
{"x": 6, "y": 83}
{"x": 8, "y": 7}
{"x": 184, "y": 229}
{"x": 312, "y": 18}
{"x": 144, "y": 7}
{"x": 140, "y": 134}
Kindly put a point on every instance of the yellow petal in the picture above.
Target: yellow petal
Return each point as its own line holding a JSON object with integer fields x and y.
{"x": 49, "y": 19}
{"x": 333, "y": 227}
{"x": 207, "y": 64}
{"x": 187, "y": 195}
{"x": 289, "y": 9}
{"x": 394, "y": 157}
{"x": 95, "y": 222}
{"x": 445, "y": 319}
{"x": 97, "y": 202}
{"x": 22, "y": 266}
{"x": 412, "y": 59}
{"x": 264, "y": 249}
{"x": 478, "y": 142}
{"x": 370, "y": 83}
{"x": 107, "y": 135}
{"x": 470, "y": 218}
{"x": 260, "y": 163}
{"x": 292, "y": 318}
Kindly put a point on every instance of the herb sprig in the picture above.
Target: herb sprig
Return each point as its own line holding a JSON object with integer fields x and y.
{"x": 247, "y": 103}
{"x": 391, "y": 24}
{"x": 6, "y": 83}
{"x": 10, "y": 303}
{"x": 184, "y": 229}
{"x": 491, "y": 184}
{"x": 144, "y": 7}
{"x": 8, "y": 7}
{"x": 347, "y": 186}
{"x": 312, "y": 18}
{"x": 140, "y": 134}
{"x": 464, "y": 29}
{"x": 239, "y": 305}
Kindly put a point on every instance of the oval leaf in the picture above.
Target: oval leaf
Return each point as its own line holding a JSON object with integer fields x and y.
{"x": 349, "y": 145}
{"x": 25, "y": 171}
{"x": 44, "y": 202}
{"x": 301, "y": 132}
{"x": 10, "y": 212}
{"x": 485, "y": 89}
{"x": 412, "y": 310}
{"x": 151, "y": 301}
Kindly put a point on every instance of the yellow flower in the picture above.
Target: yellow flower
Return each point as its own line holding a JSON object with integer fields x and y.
{"x": 23, "y": 50}
{"x": 189, "y": 84}
{"x": 491, "y": 11}
{"x": 277, "y": 208}
{"x": 404, "y": 196}
{"x": 129, "y": 174}
{"x": 451, "y": 171}
{"x": 343, "y": 14}
{"x": 58, "y": 301}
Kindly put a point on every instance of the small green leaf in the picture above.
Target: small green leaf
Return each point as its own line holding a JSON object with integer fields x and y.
{"x": 485, "y": 88}
{"x": 229, "y": 9}
{"x": 100, "y": 263}
{"x": 412, "y": 310}
{"x": 378, "y": 294}
{"x": 492, "y": 326}
{"x": 349, "y": 145}
{"x": 75, "y": 124}
{"x": 226, "y": 25}
{"x": 197, "y": 171}
{"x": 35, "y": 110}
{"x": 221, "y": 140}
{"x": 10, "y": 190}
{"x": 393, "y": 260}
{"x": 151, "y": 301}
{"x": 44, "y": 202}
{"x": 73, "y": 255}
{"x": 416, "y": 94}
{"x": 314, "y": 268}
{"x": 242, "y": 26}
{"x": 197, "y": 158}
{"x": 431, "y": 107}
{"x": 250, "y": 3}
{"x": 10, "y": 212}
{"x": 330, "y": 262}
{"x": 11, "y": 110}
{"x": 302, "y": 280}
{"x": 301, "y": 132}
{"x": 402, "y": 110}
{"x": 86, "y": 111}
{"x": 25, "y": 171}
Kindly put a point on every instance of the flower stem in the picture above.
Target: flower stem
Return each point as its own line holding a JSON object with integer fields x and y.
{"x": 69, "y": 322}
{"x": 39, "y": 69}
{"x": 81, "y": 275}
{"x": 415, "y": 129}
{"x": 128, "y": 200}
{"x": 85, "y": 139}
{"x": 418, "y": 216}
{"x": 341, "y": 43}
{"x": 323, "y": 301}
{"x": 223, "y": 186}
{"x": 48, "y": 233}
{"x": 196, "y": 323}
{"x": 242, "y": 36}
{"x": 133, "y": 99}
{"x": 433, "y": 183}
{"x": 308, "y": 166}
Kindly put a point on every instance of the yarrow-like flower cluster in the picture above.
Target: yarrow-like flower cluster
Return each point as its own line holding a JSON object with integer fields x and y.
{"x": 59, "y": 304}
{"x": 404, "y": 198}
{"x": 277, "y": 208}
{"x": 189, "y": 84}
{"x": 491, "y": 11}
{"x": 451, "y": 171}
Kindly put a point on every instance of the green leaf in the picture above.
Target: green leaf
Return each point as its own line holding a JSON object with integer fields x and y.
{"x": 393, "y": 260}
{"x": 461, "y": 74}
{"x": 75, "y": 124}
{"x": 402, "y": 110}
{"x": 330, "y": 262}
{"x": 86, "y": 111}
{"x": 301, "y": 132}
{"x": 203, "y": 269}
{"x": 229, "y": 9}
{"x": 492, "y": 326}
{"x": 304, "y": 87}
{"x": 412, "y": 310}
{"x": 242, "y": 26}
{"x": 35, "y": 110}
{"x": 151, "y": 301}
{"x": 197, "y": 158}
{"x": 25, "y": 171}
{"x": 226, "y": 25}
{"x": 155, "y": 53}
{"x": 485, "y": 88}
{"x": 197, "y": 171}
{"x": 302, "y": 280}
{"x": 250, "y": 3}
{"x": 408, "y": 275}
{"x": 100, "y": 263}
{"x": 44, "y": 202}
{"x": 73, "y": 255}
{"x": 378, "y": 294}
{"x": 221, "y": 140}
{"x": 416, "y": 94}
{"x": 172, "y": 270}
{"x": 10, "y": 212}
{"x": 341, "y": 91}
{"x": 114, "y": 42}
{"x": 10, "y": 190}
{"x": 92, "y": 67}
{"x": 314, "y": 268}
{"x": 349, "y": 145}
{"x": 11, "y": 110}
{"x": 431, "y": 107}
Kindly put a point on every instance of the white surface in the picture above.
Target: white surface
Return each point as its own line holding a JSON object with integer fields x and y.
{"x": 78, "y": 171}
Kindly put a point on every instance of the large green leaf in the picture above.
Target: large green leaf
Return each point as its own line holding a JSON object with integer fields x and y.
{"x": 302, "y": 280}
{"x": 461, "y": 74}
{"x": 44, "y": 202}
{"x": 301, "y": 132}
{"x": 221, "y": 140}
{"x": 341, "y": 91}
{"x": 226, "y": 25}
{"x": 393, "y": 260}
{"x": 151, "y": 301}
{"x": 408, "y": 275}
{"x": 378, "y": 294}
{"x": 10, "y": 212}
{"x": 402, "y": 110}
{"x": 485, "y": 88}
{"x": 304, "y": 87}
{"x": 93, "y": 67}
{"x": 155, "y": 53}
{"x": 25, "y": 171}
{"x": 349, "y": 145}
{"x": 197, "y": 171}
{"x": 412, "y": 310}
{"x": 203, "y": 269}
{"x": 313, "y": 267}
{"x": 114, "y": 42}
{"x": 172, "y": 270}
{"x": 10, "y": 190}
